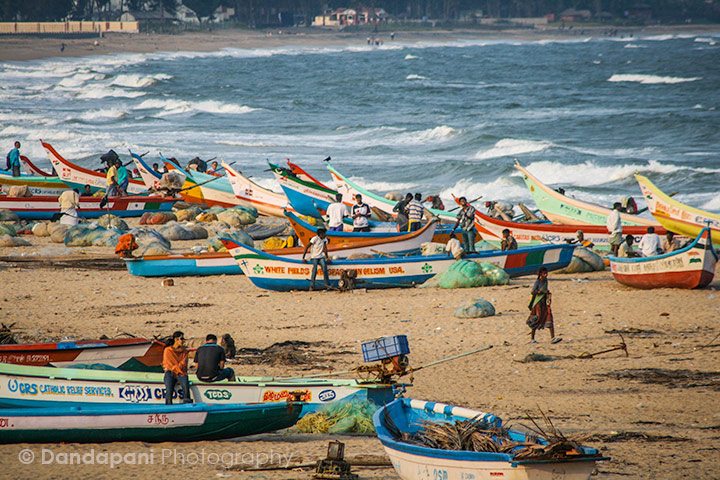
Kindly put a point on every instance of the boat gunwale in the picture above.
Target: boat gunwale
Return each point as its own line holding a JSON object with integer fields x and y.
{"x": 694, "y": 244}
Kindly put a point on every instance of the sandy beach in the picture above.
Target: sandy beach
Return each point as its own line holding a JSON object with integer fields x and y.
{"x": 32, "y": 48}
{"x": 652, "y": 412}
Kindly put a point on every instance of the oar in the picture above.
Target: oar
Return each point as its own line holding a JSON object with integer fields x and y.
{"x": 471, "y": 201}
{"x": 646, "y": 208}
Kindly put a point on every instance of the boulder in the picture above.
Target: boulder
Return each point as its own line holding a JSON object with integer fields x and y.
{"x": 9, "y": 241}
{"x": 112, "y": 221}
{"x": 40, "y": 229}
{"x": 478, "y": 308}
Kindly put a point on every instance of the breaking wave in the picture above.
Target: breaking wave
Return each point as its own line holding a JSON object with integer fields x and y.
{"x": 650, "y": 79}
{"x": 176, "y": 107}
{"x": 138, "y": 81}
{"x": 510, "y": 146}
{"x": 380, "y": 186}
{"x": 413, "y": 76}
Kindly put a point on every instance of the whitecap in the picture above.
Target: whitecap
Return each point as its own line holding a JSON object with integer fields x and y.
{"x": 138, "y": 81}
{"x": 380, "y": 186}
{"x": 175, "y": 107}
{"x": 413, "y": 76}
{"x": 650, "y": 79}
{"x": 709, "y": 41}
{"x": 441, "y": 133}
{"x": 92, "y": 92}
{"x": 102, "y": 115}
{"x": 501, "y": 188}
{"x": 634, "y": 45}
{"x": 510, "y": 146}
{"x": 411, "y": 57}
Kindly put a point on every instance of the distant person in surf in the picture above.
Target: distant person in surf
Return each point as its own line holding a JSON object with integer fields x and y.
{"x": 508, "y": 241}
{"x": 415, "y": 211}
{"x": 466, "y": 221}
{"x": 401, "y": 209}
{"x": 13, "y": 160}
{"x": 361, "y": 215}
{"x": 541, "y": 315}
{"x": 614, "y": 228}
{"x": 336, "y": 213}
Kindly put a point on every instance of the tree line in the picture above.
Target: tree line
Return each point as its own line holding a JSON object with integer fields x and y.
{"x": 248, "y": 11}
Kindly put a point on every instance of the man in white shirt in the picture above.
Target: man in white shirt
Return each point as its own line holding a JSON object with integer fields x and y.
{"x": 69, "y": 202}
{"x": 650, "y": 243}
{"x": 336, "y": 212}
{"x": 360, "y": 215}
{"x": 318, "y": 255}
{"x": 614, "y": 228}
{"x": 454, "y": 248}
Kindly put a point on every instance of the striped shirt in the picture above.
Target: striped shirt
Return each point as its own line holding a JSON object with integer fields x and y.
{"x": 415, "y": 210}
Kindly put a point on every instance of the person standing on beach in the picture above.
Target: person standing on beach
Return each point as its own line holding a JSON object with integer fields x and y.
{"x": 123, "y": 179}
{"x": 360, "y": 215}
{"x": 401, "y": 209}
{"x": 415, "y": 212}
{"x": 614, "y": 228}
{"x": 175, "y": 366}
{"x": 13, "y": 160}
{"x": 210, "y": 359}
{"x": 541, "y": 315}
{"x": 466, "y": 221}
{"x": 336, "y": 212}
{"x": 508, "y": 241}
{"x": 318, "y": 255}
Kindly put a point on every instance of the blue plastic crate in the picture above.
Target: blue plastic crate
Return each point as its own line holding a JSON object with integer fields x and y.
{"x": 385, "y": 347}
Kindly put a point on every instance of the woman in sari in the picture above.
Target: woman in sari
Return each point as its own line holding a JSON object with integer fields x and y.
{"x": 540, "y": 312}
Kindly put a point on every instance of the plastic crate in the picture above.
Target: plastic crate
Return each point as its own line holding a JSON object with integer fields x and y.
{"x": 385, "y": 347}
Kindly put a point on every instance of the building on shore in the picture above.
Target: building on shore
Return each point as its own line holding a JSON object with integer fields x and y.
{"x": 344, "y": 17}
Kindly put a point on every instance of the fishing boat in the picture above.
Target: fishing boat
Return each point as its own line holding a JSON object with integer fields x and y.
{"x": 565, "y": 210}
{"x": 37, "y": 184}
{"x": 404, "y": 418}
{"x": 35, "y": 169}
{"x": 537, "y": 233}
{"x": 214, "y": 190}
{"x": 144, "y": 423}
{"x": 690, "y": 267}
{"x": 349, "y": 189}
{"x": 272, "y": 272}
{"x": 676, "y": 216}
{"x": 303, "y": 174}
{"x": 222, "y": 263}
{"x": 76, "y": 176}
{"x": 253, "y": 195}
{"x": 46, "y": 207}
{"x": 306, "y": 197}
{"x": 138, "y": 354}
{"x": 38, "y": 387}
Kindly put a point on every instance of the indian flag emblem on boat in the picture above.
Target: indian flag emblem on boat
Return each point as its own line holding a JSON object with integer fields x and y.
{"x": 427, "y": 268}
{"x": 257, "y": 269}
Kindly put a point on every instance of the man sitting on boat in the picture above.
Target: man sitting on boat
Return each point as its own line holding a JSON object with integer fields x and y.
{"x": 670, "y": 243}
{"x": 175, "y": 366}
{"x": 580, "y": 240}
{"x": 508, "y": 241}
{"x": 650, "y": 243}
{"x": 210, "y": 359}
{"x": 626, "y": 249}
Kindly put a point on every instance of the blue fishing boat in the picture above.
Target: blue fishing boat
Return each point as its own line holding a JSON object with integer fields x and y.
{"x": 401, "y": 424}
{"x": 145, "y": 423}
{"x": 183, "y": 265}
{"x": 306, "y": 197}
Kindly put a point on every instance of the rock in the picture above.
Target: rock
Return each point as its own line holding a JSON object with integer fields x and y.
{"x": 111, "y": 221}
{"x": 187, "y": 214}
{"x": 206, "y": 217}
{"x": 157, "y": 218}
{"x": 477, "y": 309}
{"x": 9, "y": 241}
{"x": 40, "y": 230}
{"x": 57, "y": 232}
{"x": 8, "y": 215}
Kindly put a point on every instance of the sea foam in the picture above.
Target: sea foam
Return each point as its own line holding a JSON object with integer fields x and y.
{"x": 650, "y": 79}
{"x": 511, "y": 146}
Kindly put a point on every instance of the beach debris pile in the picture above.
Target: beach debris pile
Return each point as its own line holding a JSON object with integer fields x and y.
{"x": 478, "y": 308}
{"x": 481, "y": 435}
{"x": 339, "y": 418}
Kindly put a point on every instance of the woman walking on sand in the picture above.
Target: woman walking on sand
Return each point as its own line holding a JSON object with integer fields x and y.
{"x": 540, "y": 312}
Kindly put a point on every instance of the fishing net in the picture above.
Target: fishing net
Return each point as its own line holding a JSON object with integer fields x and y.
{"x": 153, "y": 248}
{"x": 275, "y": 243}
{"x": 172, "y": 180}
{"x": 476, "y": 309}
{"x": 157, "y": 218}
{"x": 40, "y": 229}
{"x": 92, "y": 234}
{"x": 340, "y": 417}
{"x": 111, "y": 221}
{"x": 8, "y": 215}
{"x": 146, "y": 236}
{"x": 19, "y": 191}
{"x": 584, "y": 260}
{"x": 187, "y": 214}
{"x": 468, "y": 274}
{"x": 206, "y": 217}
{"x": 9, "y": 241}
{"x": 57, "y": 232}
{"x": 237, "y": 216}
{"x": 8, "y": 229}
{"x": 238, "y": 236}
{"x": 176, "y": 231}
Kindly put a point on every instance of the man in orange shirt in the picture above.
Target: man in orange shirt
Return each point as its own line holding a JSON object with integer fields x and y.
{"x": 175, "y": 365}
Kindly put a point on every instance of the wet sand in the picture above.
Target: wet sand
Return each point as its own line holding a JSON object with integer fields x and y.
{"x": 652, "y": 412}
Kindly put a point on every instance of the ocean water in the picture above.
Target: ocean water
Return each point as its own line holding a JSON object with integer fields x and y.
{"x": 448, "y": 118}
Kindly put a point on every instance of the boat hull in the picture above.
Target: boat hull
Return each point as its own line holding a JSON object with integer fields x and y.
{"x": 176, "y": 423}
{"x": 690, "y": 267}
{"x": 136, "y": 354}
{"x": 37, "y": 185}
{"x": 44, "y": 207}
{"x": 271, "y": 272}
{"x": 251, "y": 194}
{"x": 559, "y": 208}
{"x": 678, "y": 217}
{"x": 183, "y": 265}
{"x": 306, "y": 198}
{"x": 40, "y": 387}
